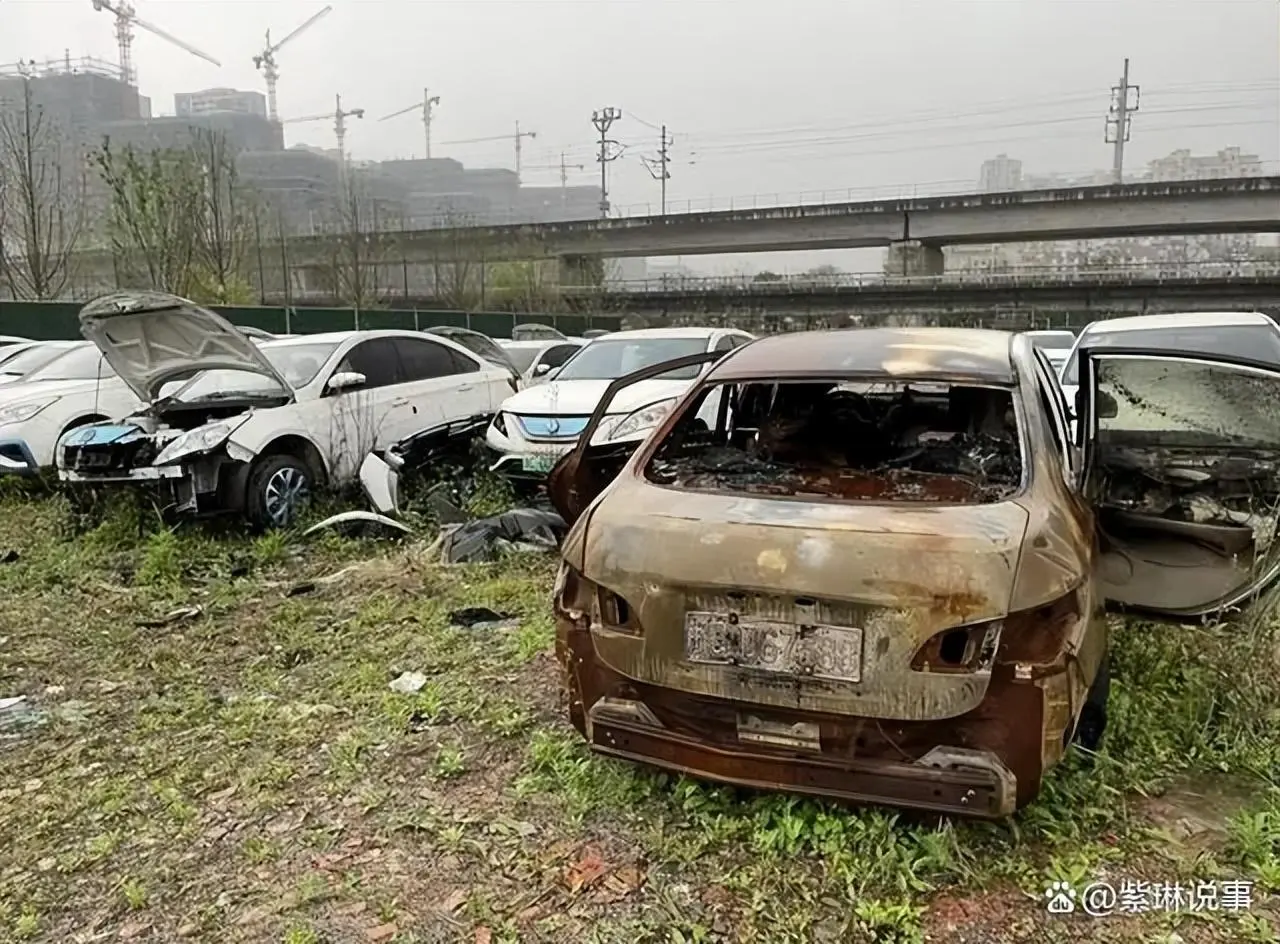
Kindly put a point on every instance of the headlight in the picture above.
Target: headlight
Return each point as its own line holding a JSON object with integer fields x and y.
{"x": 195, "y": 441}
{"x": 21, "y": 412}
{"x": 644, "y": 418}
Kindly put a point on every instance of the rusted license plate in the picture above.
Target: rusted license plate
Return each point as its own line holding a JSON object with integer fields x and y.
{"x": 812, "y": 649}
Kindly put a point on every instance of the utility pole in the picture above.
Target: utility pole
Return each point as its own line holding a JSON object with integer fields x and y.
{"x": 658, "y": 168}
{"x": 602, "y": 121}
{"x": 1119, "y": 120}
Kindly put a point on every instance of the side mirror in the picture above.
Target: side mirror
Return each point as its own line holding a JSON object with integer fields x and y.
{"x": 542, "y": 370}
{"x": 345, "y": 380}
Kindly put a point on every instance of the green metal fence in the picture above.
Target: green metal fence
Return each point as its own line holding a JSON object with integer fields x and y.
{"x": 56, "y": 321}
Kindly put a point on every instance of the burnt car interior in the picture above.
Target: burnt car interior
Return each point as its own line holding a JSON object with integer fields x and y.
{"x": 1185, "y": 475}
{"x": 836, "y": 439}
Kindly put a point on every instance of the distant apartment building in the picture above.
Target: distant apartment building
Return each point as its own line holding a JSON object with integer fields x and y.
{"x": 1135, "y": 251}
{"x": 240, "y": 131}
{"x": 1183, "y": 165}
{"x": 1000, "y": 174}
{"x": 209, "y": 101}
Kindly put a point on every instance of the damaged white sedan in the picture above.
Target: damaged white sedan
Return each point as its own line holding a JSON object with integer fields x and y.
{"x": 233, "y": 425}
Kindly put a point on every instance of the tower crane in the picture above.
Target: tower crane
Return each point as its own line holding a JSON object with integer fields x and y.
{"x": 519, "y": 135}
{"x": 126, "y": 20}
{"x": 266, "y": 60}
{"x": 339, "y": 125}
{"x": 428, "y": 100}
{"x": 564, "y": 169}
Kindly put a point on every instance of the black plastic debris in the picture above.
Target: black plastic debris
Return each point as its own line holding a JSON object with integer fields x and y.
{"x": 522, "y": 529}
{"x": 9, "y": 557}
{"x": 481, "y": 617}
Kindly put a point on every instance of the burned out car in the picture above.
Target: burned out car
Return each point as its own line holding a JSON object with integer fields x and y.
{"x": 881, "y": 574}
{"x": 234, "y": 425}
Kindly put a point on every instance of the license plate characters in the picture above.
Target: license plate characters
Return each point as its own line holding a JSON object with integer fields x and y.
{"x": 537, "y": 463}
{"x": 802, "y": 649}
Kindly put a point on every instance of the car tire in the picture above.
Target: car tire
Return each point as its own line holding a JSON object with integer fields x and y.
{"x": 1093, "y": 716}
{"x": 277, "y": 490}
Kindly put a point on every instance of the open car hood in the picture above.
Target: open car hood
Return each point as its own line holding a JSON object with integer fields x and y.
{"x": 152, "y": 338}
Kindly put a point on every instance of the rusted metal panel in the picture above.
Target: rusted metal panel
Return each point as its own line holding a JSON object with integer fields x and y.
{"x": 977, "y": 355}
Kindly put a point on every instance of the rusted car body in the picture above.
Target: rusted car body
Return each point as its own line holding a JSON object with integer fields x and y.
{"x": 883, "y": 576}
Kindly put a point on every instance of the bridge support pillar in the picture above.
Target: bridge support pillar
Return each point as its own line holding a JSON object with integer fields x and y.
{"x": 582, "y": 271}
{"x": 911, "y": 257}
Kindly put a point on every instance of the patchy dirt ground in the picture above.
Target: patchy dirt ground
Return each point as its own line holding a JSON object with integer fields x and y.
{"x": 209, "y": 749}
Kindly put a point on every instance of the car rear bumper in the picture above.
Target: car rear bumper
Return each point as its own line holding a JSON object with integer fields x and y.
{"x": 986, "y": 763}
{"x": 973, "y": 784}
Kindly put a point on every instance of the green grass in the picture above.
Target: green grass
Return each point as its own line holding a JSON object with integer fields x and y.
{"x": 246, "y": 773}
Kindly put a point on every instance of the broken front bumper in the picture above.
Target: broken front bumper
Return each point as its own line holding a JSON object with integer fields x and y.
{"x": 984, "y": 763}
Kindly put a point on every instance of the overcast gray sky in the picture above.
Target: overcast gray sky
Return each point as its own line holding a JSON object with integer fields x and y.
{"x": 763, "y": 97}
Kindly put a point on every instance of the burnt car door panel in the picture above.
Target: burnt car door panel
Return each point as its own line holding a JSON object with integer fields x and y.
{"x": 584, "y": 472}
{"x": 1182, "y": 465}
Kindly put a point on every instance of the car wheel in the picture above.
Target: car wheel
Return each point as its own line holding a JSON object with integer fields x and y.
{"x": 278, "y": 490}
{"x": 1093, "y": 716}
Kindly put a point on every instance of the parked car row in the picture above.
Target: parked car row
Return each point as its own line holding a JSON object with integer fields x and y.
{"x": 870, "y": 564}
{"x": 167, "y": 394}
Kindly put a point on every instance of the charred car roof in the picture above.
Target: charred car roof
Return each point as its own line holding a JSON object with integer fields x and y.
{"x": 977, "y": 355}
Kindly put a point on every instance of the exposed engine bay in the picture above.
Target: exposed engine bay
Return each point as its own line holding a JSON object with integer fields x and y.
{"x": 924, "y": 442}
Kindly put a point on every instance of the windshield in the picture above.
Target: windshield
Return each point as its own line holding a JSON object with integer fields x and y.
{"x": 1256, "y": 342}
{"x": 479, "y": 345}
{"x": 522, "y": 357}
{"x": 614, "y": 357}
{"x": 1052, "y": 340}
{"x": 78, "y": 363}
{"x": 297, "y": 363}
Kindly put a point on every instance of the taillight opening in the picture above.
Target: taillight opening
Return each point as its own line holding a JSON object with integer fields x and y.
{"x": 961, "y": 649}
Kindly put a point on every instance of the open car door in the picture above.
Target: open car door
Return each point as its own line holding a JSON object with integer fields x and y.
{"x": 583, "y": 472}
{"x": 1182, "y": 464}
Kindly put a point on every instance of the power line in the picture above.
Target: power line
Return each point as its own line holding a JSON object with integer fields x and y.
{"x": 830, "y": 139}
{"x": 981, "y": 110}
{"x": 777, "y": 157}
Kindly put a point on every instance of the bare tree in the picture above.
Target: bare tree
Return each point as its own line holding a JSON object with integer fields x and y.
{"x": 225, "y": 223}
{"x": 42, "y": 202}
{"x": 457, "y": 262}
{"x": 154, "y": 217}
{"x": 180, "y": 220}
{"x": 355, "y": 252}
{"x": 527, "y": 285}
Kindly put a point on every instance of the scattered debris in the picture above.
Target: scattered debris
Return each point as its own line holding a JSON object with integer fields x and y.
{"x": 585, "y": 872}
{"x": 9, "y": 557}
{"x": 383, "y": 932}
{"x": 16, "y": 714}
{"x": 481, "y": 617}
{"x": 299, "y": 589}
{"x": 359, "y": 521}
{"x": 484, "y": 540}
{"x": 408, "y": 682}
{"x": 173, "y": 616}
